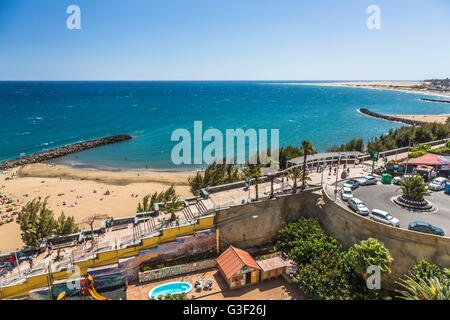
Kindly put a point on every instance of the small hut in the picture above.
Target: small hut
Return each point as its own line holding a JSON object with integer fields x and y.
{"x": 238, "y": 268}
{"x": 272, "y": 268}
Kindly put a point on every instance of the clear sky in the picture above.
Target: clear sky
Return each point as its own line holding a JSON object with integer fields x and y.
{"x": 224, "y": 39}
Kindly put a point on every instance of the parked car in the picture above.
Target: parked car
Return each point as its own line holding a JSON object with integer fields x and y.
{"x": 352, "y": 184}
{"x": 437, "y": 184}
{"x": 346, "y": 193}
{"x": 358, "y": 206}
{"x": 425, "y": 228}
{"x": 384, "y": 217}
{"x": 399, "y": 179}
{"x": 367, "y": 180}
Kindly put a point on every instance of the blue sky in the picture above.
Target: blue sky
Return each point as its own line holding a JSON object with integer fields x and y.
{"x": 224, "y": 40}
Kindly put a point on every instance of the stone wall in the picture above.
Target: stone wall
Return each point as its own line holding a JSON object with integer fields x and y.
{"x": 176, "y": 270}
{"x": 258, "y": 224}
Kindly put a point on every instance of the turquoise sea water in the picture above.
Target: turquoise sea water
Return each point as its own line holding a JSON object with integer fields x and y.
{"x": 36, "y": 116}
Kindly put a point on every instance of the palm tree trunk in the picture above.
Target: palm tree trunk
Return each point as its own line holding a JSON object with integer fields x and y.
{"x": 256, "y": 187}
{"x": 304, "y": 170}
{"x": 271, "y": 187}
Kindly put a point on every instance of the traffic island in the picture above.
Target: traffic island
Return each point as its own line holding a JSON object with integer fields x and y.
{"x": 415, "y": 205}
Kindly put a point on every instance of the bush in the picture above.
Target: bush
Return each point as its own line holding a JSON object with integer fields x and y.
{"x": 366, "y": 253}
{"x": 324, "y": 278}
{"x": 416, "y": 154}
{"x": 425, "y": 270}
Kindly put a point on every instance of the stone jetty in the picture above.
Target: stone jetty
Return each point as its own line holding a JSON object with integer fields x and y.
{"x": 435, "y": 100}
{"x": 390, "y": 118}
{"x": 62, "y": 151}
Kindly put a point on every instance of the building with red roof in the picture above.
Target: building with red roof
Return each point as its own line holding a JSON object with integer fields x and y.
{"x": 238, "y": 267}
{"x": 441, "y": 163}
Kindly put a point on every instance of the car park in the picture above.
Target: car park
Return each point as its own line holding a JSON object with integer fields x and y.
{"x": 384, "y": 217}
{"x": 358, "y": 206}
{"x": 437, "y": 184}
{"x": 367, "y": 180}
{"x": 352, "y": 184}
{"x": 346, "y": 194}
{"x": 425, "y": 228}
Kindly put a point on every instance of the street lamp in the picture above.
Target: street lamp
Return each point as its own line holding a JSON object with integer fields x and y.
{"x": 17, "y": 261}
{"x": 337, "y": 174}
{"x": 247, "y": 183}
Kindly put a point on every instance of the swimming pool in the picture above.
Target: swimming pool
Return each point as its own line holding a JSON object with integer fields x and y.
{"x": 170, "y": 288}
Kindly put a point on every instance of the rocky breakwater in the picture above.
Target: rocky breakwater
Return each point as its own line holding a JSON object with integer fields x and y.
{"x": 390, "y": 118}
{"x": 62, "y": 151}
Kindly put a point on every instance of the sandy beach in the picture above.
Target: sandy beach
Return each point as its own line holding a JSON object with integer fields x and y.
{"x": 411, "y": 86}
{"x": 76, "y": 188}
{"x": 425, "y": 118}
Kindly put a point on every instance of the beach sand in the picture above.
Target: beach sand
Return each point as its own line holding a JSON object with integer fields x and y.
{"x": 412, "y": 86}
{"x": 425, "y": 118}
{"x": 44, "y": 180}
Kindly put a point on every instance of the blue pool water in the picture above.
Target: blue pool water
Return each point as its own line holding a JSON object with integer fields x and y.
{"x": 170, "y": 288}
{"x": 37, "y": 116}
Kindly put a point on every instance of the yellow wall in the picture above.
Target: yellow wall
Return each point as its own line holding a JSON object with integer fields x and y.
{"x": 109, "y": 257}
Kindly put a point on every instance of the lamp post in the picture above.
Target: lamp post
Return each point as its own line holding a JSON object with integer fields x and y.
{"x": 247, "y": 181}
{"x": 17, "y": 261}
{"x": 337, "y": 174}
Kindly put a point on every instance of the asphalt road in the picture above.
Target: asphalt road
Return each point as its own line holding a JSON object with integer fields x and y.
{"x": 379, "y": 197}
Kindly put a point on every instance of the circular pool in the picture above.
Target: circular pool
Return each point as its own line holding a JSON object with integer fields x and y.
{"x": 170, "y": 288}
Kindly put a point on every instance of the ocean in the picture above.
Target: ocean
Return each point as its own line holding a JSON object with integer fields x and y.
{"x": 37, "y": 116}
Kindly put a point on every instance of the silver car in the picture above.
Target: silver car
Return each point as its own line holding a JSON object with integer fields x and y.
{"x": 367, "y": 180}
{"x": 384, "y": 217}
{"x": 437, "y": 184}
{"x": 358, "y": 206}
{"x": 346, "y": 193}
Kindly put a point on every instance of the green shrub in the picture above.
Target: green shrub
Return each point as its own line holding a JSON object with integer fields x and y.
{"x": 324, "y": 278}
{"x": 425, "y": 270}
{"x": 416, "y": 154}
{"x": 366, "y": 253}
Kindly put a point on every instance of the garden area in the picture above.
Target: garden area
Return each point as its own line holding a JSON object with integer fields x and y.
{"x": 328, "y": 272}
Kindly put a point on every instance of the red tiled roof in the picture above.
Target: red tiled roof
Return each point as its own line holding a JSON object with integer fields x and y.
{"x": 234, "y": 259}
{"x": 430, "y": 159}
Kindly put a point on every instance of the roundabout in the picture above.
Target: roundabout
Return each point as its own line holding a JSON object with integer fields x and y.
{"x": 381, "y": 197}
{"x": 419, "y": 206}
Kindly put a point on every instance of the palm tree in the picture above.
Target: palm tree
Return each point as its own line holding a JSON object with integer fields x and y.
{"x": 307, "y": 149}
{"x": 253, "y": 171}
{"x": 294, "y": 174}
{"x": 429, "y": 289}
{"x": 414, "y": 188}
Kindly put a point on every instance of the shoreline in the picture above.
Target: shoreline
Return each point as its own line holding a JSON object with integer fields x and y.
{"x": 401, "y": 86}
{"x": 82, "y": 193}
{"x": 120, "y": 178}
